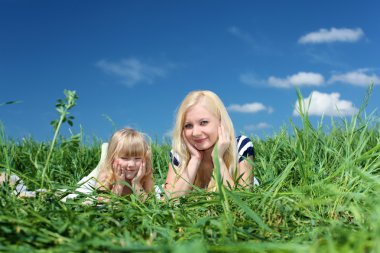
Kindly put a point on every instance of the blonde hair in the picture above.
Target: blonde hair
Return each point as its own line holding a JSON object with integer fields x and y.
{"x": 126, "y": 142}
{"x": 216, "y": 107}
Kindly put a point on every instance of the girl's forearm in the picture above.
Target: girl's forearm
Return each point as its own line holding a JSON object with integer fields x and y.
{"x": 140, "y": 191}
{"x": 118, "y": 189}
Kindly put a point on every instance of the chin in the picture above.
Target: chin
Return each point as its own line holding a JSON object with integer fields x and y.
{"x": 203, "y": 146}
{"x": 130, "y": 177}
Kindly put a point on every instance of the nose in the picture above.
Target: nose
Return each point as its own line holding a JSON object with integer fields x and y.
{"x": 196, "y": 131}
{"x": 131, "y": 162}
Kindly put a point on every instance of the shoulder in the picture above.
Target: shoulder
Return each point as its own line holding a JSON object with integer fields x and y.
{"x": 174, "y": 158}
{"x": 244, "y": 147}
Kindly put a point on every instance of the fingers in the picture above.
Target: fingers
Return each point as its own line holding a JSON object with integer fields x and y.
{"x": 118, "y": 169}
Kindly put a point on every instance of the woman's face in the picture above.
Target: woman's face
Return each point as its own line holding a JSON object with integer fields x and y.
{"x": 201, "y": 127}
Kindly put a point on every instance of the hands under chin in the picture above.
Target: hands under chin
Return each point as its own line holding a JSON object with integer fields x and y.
{"x": 140, "y": 174}
{"x": 194, "y": 152}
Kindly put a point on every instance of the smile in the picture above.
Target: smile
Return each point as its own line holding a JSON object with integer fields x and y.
{"x": 200, "y": 140}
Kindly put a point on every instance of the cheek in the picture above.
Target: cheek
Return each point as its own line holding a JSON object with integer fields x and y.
{"x": 187, "y": 133}
{"x": 213, "y": 131}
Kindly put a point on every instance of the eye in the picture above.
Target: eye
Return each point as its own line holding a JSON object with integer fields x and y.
{"x": 188, "y": 126}
{"x": 126, "y": 158}
{"x": 138, "y": 158}
{"x": 203, "y": 122}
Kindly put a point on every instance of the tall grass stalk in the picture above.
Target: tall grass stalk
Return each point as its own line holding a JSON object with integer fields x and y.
{"x": 63, "y": 108}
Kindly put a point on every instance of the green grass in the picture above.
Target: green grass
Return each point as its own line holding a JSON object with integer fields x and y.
{"x": 319, "y": 192}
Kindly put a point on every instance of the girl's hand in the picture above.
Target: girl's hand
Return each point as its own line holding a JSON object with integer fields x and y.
{"x": 140, "y": 174}
{"x": 193, "y": 151}
{"x": 223, "y": 142}
{"x": 118, "y": 171}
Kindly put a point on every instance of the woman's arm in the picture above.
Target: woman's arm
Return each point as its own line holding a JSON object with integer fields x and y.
{"x": 178, "y": 185}
{"x": 246, "y": 172}
{"x": 226, "y": 176}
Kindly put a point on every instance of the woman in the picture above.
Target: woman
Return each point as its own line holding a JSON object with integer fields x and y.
{"x": 202, "y": 123}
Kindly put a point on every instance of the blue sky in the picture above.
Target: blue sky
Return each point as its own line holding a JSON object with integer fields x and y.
{"x": 134, "y": 61}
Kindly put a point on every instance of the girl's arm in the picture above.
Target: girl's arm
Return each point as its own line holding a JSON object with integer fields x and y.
{"x": 148, "y": 184}
{"x": 144, "y": 186}
{"x": 104, "y": 184}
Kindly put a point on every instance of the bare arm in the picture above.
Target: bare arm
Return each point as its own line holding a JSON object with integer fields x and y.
{"x": 246, "y": 172}
{"x": 102, "y": 182}
{"x": 116, "y": 188}
{"x": 222, "y": 144}
{"x": 226, "y": 176}
{"x": 178, "y": 185}
{"x": 148, "y": 184}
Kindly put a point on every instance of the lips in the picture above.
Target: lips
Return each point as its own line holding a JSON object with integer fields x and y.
{"x": 200, "y": 140}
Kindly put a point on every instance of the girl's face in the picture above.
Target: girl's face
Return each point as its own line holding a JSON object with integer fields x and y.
{"x": 130, "y": 165}
{"x": 201, "y": 127}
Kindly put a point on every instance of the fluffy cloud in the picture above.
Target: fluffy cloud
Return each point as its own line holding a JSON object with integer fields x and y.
{"x": 326, "y": 104}
{"x": 332, "y": 35}
{"x": 358, "y": 77}
{"x": 249, "y": 108}
{"x": 131, "y": 71}
{"x": 299, "y": 79}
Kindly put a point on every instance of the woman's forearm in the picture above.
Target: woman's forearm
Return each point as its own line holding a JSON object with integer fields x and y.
{"x": 227, "y": 179}
{"x": 186, "y": 179}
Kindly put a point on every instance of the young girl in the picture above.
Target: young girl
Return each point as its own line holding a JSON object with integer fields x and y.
{"x": 128, "y": 165}
{"x": 125, "y": 167}
{"x": 202, "y": 123}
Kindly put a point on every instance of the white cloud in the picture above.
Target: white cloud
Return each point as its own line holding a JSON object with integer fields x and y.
{"x": 299, "y": 79}
{"x": 259, "y": 126}
{"x": 358, "y": 77}
{"x": 131, "y": 71}
{"x": 326, "y": 104}
{"x": 332, "y": 35}
{"x": 249, "y": 108}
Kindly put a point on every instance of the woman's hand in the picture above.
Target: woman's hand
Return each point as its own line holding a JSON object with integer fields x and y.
{"x": 223, "y": 142}
{"x": 195, "y": 153}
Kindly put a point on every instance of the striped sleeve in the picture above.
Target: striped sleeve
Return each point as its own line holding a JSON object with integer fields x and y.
{"x": 174, "y": 158}
{"x": 245, "y": 147}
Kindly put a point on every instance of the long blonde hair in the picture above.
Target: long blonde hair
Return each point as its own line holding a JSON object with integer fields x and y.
{"x": 126, "y": 142}
{"x": 216, "y": 107}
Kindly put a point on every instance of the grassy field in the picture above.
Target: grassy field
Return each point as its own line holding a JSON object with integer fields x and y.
{"x": 319, "y": 192}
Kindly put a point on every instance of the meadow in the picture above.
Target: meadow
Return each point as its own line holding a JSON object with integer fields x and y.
{"x": 319, "y": 192}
